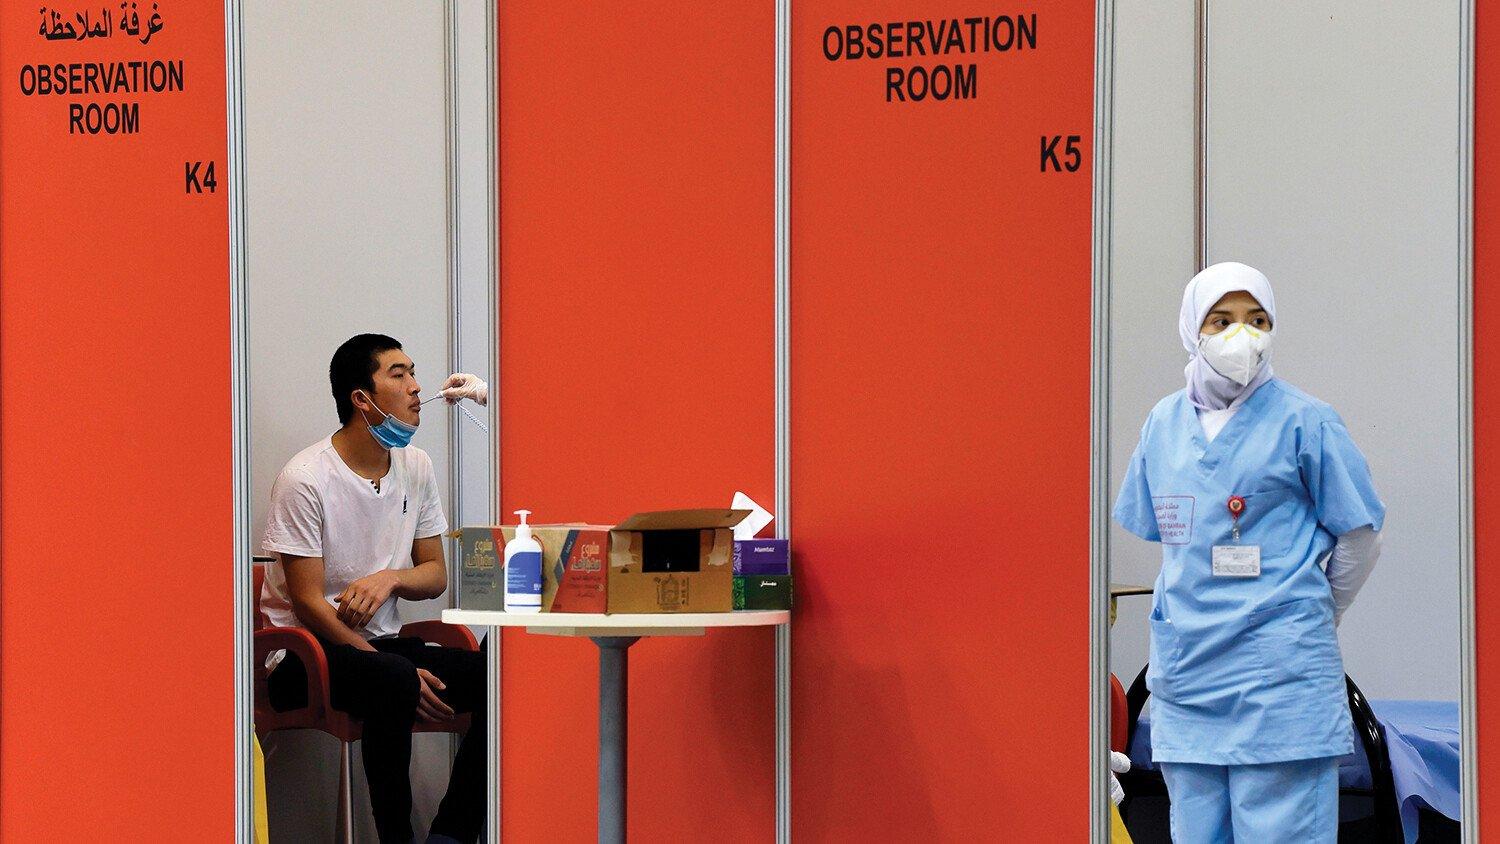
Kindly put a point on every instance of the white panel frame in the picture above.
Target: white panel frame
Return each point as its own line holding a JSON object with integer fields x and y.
{"x": 1469, "y": 763}
{"x": 783, "y": 283}
{"x": 1098, "y": 782}
{"x": 239, "y": 345}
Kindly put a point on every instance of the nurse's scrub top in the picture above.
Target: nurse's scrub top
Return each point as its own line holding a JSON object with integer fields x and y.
{"x": 1246, "y": 670}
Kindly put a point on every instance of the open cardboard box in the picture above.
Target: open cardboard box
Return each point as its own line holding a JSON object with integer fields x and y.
{"x": 673, "y": 561}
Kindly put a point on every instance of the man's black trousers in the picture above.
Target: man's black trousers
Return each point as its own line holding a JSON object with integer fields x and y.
{"x": 380, "y": 689}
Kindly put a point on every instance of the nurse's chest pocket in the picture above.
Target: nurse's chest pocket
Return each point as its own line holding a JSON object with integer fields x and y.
{"x": 1269, "y": 520}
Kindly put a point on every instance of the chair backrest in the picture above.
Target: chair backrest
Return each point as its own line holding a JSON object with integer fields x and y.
{"x": 1119, "y": 716}
{"x": 1382, "y": 780}
{"x": 259, "y": 580}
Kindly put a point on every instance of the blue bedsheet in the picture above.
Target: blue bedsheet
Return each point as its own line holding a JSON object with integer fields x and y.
{"x": 1423, "y": 741}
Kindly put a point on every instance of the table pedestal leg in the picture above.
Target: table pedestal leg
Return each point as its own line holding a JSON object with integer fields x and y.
{"x": 614, "y": 663}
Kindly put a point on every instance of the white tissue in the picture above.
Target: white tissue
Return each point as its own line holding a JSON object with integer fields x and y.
{"x": 759, "y": 517}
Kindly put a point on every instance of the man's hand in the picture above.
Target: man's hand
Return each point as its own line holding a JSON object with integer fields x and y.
{"x": 359, "y": 602}
{"x": 430, "y": 707}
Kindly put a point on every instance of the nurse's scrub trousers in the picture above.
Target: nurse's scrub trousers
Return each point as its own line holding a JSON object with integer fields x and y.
{"x": 1281, "y": 801}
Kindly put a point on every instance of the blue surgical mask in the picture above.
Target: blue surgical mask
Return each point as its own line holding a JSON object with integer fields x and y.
{"x": 391, "y": 432}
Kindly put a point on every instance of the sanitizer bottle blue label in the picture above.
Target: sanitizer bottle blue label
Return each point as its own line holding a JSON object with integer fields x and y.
{"x": 523, "y": 578}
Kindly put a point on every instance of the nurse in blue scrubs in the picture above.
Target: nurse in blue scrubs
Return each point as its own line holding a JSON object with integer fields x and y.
{"x": 1269, "y": 524}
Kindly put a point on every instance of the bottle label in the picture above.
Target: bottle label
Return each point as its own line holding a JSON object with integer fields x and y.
{"x": 523, "y": 574}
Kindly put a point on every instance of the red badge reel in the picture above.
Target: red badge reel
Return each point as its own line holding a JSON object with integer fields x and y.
{"x": 1236, "y": 509}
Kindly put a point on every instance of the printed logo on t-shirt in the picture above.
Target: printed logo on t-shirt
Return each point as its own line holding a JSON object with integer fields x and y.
{"x": 1174, "y": 518}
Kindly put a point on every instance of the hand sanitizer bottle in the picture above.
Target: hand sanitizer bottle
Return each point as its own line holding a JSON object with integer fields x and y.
{"x": 523, "y": 570}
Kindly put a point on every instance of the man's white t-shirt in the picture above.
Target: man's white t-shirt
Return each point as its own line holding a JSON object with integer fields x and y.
{"x": 321, "y": 508}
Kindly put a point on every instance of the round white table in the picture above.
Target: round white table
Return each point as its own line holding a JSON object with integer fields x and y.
{"x": 614, "y": 634}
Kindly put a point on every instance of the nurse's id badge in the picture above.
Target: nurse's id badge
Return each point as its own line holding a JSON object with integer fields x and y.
{"x": 1236, "y": 560}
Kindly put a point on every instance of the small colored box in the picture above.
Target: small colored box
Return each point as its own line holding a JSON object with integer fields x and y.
{"x": 764, "y": 592}
{"x": 762, "y": 556}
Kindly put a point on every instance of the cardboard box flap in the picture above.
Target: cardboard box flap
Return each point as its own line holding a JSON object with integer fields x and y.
{"x": 683, "y": 520}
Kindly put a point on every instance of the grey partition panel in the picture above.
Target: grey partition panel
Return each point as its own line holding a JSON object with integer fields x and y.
{"x": 1151, "y": 256}
{"x": 1333, "y": 165}
{"x": 1332, "y": 151}
{"x": 346, "y": 233}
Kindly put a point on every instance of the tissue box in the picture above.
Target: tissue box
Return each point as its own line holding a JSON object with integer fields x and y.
{"x": 766, "y": 592}
{"x": 673, "y": 561}
{"x": 762, "y": 556}
{"x": 573, "y": 567}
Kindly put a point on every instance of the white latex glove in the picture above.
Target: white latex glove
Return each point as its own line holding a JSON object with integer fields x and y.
{"x": 1119, "y": 763}
{"x": 462, "y": 385}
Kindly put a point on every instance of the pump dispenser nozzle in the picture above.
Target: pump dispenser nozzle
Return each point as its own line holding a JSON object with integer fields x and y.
{"x": 523, "y": 531}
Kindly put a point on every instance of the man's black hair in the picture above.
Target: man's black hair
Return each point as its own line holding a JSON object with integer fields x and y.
{"x": 353, "y": 368}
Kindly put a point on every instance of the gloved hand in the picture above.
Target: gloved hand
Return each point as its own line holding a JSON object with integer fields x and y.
{"x": 1119, "y": 763}
{"x": 462, "y": 385}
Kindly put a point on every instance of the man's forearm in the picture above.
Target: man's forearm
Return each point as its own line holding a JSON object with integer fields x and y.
{"x": 425, "y": 580}
{"x": 320, "y": 617}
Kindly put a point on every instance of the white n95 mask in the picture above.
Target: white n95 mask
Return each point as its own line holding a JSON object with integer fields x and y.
{"x": 1237, "y": 353}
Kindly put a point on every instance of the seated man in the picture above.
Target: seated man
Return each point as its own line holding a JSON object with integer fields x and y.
{"x": 356, "y": 523}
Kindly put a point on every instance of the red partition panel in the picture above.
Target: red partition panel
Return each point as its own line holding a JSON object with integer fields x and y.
{"x": 116, "y": 569}
{"x": 940, "y": 422}
{"x": 1487, "y": 403}
{"x": 637, "y": 355}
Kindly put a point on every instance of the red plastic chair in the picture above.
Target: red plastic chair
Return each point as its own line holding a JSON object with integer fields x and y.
{"x": 319, "y": 713}
{"x": 1119, "y": 716}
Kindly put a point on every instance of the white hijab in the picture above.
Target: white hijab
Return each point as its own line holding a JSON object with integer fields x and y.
{"x": 1206, "y": 388}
